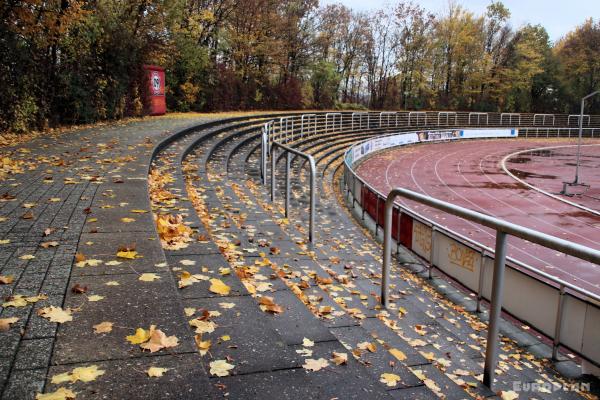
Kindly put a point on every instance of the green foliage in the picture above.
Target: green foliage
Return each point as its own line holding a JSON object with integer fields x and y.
{"x": 325, "y": 81}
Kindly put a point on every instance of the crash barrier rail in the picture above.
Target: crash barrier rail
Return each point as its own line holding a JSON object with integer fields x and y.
{"x": 573, "y": 323}
{"x": 503, "y": 229}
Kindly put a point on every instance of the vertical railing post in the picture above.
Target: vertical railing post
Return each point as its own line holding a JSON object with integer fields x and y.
{"x": 313, "y": 190}
{"x": 264, "y": 155}
{"x": 376, "y": 216}
{"x": 398, "y": 241}
{"x": 559, "y": 318}
{"x": 481, "y": 281}
{"x": 431, "y": 252}
{"x": 491, "y": 353}
{"x": 287, "y": 183}
{"x": 273, "y": 161}
{"x": 387, "y": 250}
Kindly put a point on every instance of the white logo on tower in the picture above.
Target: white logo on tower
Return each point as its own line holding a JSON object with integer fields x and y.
{"x": 155, "y": 78}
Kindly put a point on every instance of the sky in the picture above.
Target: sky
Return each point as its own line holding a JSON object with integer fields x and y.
{"x": 558, "y": 17}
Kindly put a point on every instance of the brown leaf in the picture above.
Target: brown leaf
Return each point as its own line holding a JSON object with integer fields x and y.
{"x": 27, "y": 215}
{"x": 78, "y": 289}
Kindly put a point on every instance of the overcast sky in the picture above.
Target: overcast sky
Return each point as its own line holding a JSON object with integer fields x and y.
{"x": 558, "y": 17}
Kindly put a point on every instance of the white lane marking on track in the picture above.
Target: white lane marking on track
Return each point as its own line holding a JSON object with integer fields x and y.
{"x": 547, "y": 263}
{"x": 528, "y": 199}
{"x": 477, "y": 227}
{"x": 518, "y": 210}
{"x": 541, "y": 190}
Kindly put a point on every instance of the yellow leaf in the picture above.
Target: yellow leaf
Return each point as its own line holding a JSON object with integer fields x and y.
{"x": 95, "y": 297}
{"x": 84, "y": 374}
{"x": 6, "y": 279}
{"x": 156, "y": 372}
{"x": 203, "y": 326}
{"x": 5, "y": 241}
{"x": 59, "y": 394}
{"x": 27, "y": 257}
{"x": 148, "y": 277}
{"x": 130, "y": 255}
{"x": 217, "y": 286}
{"x": 220, "y": 368}
{"x": 398, "y": 354}
{"x": 509, "y": 395}
{"x": 112, "y": 283}
{"x": 5, "y": 323}
{"x": 389, "y": 379}
{"x": 139, "y": 211}
{"x": 141, "y": 335}
{"x": 103, "y": 327}
{"x": 225, "y": 338}
{"x": 339, "y": 358}
{"x": 56, "y": 314}
{"x": 315, "y": 365}
{"x": 226, "y": 305}
{"x": 127, "y": 220}
{"x": 189, "y": 311}
{"x": 307, "y": 342}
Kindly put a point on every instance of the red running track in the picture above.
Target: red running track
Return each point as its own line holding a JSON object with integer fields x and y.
{"x": 469, "y": 173}
{"x": 560, "y": 163}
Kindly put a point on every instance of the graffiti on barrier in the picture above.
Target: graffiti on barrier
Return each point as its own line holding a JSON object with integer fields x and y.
{"x": 462, "y": 256}
{"x": 422, "y": 238}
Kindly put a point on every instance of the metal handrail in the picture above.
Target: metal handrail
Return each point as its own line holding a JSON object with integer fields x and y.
{"x": 313, "y": 182}
{"x": 503, "y": 229}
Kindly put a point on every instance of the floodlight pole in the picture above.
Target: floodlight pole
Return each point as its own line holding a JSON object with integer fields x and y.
{"x": 576, "y": 181}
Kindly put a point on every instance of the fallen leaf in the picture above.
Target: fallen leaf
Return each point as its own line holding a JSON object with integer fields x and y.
{"x": 49, "y": 244}
{"x": 95, "y": 297}
{"x": 217, "y": 286}
{"x": 5, "y": 323}
{"x": 59, "y": 394}
{"x": 127, "y": 254}
{"x": 84, "y": 374}
{"x": 141, "y": 335}
{"x": 187, "y": 263}
{"x": 56, "y": 314}
{"x": 315, "y": 365}
{"x": 509, "y": 395}
{"x": 268, "y": 305}
{"x": 226, "y": 305}
{"x": 103, "y": 327}
{"x": 27, "y": 257}
{"x": 156, "y": 372}
{"x": 339, "y": 358}
{"x": 389, "y": 379}
{"x": 398, "y": 354}
{"x": 127, "y": 220}
{"x": 203, "y": 326}
{"x": 220, "y": 368}
{"x": 159, "y": 340}
{"x": 78, "y": 289}
{"x": 148, "y": 277}
{"x": 307, "y": 342}
{"x": 6, "y": 279}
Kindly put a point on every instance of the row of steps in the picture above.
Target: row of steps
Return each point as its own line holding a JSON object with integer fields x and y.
{"x": 328, "y": 291}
